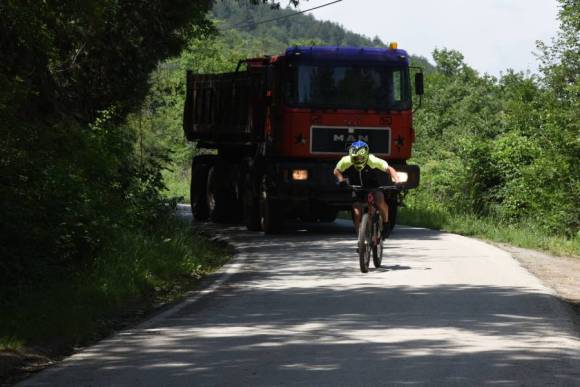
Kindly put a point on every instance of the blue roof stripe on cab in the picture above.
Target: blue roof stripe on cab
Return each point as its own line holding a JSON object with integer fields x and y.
{"x": 357, "y": 54}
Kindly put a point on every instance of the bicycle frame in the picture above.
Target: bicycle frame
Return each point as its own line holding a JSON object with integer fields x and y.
{"x": 370, "y": 229}
{"x": 370, "y": 204}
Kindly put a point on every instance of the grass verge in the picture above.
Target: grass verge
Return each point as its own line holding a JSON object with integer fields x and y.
{"x": 517, "y": 235}
{"x": 177, "y": 184}
{"x": 137, "y": 273}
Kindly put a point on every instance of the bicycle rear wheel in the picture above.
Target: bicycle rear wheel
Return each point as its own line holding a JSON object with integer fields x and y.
{"x": 364, "y": 245}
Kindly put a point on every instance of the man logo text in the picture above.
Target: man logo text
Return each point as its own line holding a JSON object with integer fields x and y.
{"x": 350, "y": 138}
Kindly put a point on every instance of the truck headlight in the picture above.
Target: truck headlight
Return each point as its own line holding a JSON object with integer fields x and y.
{"x": 300, "y": 174}
{"x": 403, "y": 176}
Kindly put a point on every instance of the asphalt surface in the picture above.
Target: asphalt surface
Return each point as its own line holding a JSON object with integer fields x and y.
{"x": 295, "y": 310}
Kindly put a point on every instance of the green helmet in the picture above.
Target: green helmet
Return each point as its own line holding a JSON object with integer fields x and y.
{"x": 359, "y": 154}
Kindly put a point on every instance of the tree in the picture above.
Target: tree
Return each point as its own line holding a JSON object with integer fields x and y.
{"x": 70, "y": 74}
{"x": 506, "y": 148}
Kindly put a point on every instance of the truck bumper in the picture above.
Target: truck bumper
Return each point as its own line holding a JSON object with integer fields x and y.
{"x": 316, "y": 190}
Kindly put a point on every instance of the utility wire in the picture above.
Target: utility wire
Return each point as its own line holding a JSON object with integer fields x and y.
{"x": 249, "y": 24}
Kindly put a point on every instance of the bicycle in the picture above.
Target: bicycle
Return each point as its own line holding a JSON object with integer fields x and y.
{"x": 370, "y": 228}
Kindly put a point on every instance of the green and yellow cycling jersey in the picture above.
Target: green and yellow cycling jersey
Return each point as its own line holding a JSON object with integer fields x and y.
{"x": 373, "y": 163}
{"x": 367, "y": 177}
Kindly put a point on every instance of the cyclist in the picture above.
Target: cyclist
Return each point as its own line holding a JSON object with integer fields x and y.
{"x": 361, "y": 168}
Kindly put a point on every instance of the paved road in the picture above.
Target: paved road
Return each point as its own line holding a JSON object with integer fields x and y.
{"x": 443, "y": 311}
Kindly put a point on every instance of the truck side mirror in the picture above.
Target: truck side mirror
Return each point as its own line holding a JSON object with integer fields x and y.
{"x": 419, "y": 84}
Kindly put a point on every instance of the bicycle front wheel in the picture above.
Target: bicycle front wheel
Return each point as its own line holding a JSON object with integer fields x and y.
{"x": 378, "y": 253}
{"x": 364, "y": 243}
{"x": 377, "y": 243}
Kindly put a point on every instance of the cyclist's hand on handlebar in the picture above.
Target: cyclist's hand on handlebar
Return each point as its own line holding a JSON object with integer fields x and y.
{"x": 343, "y": 183}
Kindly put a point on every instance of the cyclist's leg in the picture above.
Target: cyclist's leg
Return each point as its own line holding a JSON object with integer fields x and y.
{"x": 356, "y": 216}
{"x": 383, "y": 207}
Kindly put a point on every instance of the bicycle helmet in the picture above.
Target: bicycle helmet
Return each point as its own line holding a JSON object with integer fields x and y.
{"x": 359, "y": 154}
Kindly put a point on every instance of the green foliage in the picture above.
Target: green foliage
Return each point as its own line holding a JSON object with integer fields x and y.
{"x": 135, "y": 271}
{"x": 244, "y": 20}
{"x": 158, "y": 123}
{"x": 527, "y": 236}
{"x": 80, "y": 58}
{"x": 80, "y": 167}
{"x": 72, "y": 172}
{"x": 70, "y": 176}
{"x": 505, "y": 149}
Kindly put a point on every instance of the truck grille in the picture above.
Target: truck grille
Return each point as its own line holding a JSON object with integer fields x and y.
{"x": 324, "y": 139}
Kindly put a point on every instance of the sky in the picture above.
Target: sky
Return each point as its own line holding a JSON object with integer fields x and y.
{"x": 493, "y": 35}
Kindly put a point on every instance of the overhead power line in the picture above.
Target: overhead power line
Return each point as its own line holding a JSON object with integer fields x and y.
{"x": 249, "y": 24}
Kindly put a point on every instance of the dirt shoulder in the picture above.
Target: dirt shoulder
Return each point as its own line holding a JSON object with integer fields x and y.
{"x": 559, "y": 273}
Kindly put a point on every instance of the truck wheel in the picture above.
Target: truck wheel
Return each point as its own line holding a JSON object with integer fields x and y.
{"x": 236, "y": 206}
{"x": 197, "y": 192}
{"x": 218, "y": 197}
{"x": 269, "y": 217}
{"x": 269, "y": 213}
{"x": 328, "y": 216}
{"x": 252, "y": 218}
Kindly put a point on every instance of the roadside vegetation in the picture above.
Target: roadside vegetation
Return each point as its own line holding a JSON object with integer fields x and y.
{"x": 499, "y": 156}
{"x": 136, "y": 272}
{"x": 526, "y": 236}
{"x": 85, "y": 230}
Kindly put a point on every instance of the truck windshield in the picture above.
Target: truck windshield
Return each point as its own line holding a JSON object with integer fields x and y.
{"x": 348, "y": 87}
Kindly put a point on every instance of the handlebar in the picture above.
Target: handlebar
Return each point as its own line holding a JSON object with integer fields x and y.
{"x": 360, "y": 188}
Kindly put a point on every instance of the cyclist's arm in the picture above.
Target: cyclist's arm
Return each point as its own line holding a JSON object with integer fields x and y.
{"x": 377, "y": 163}
{"x": 391, "y": 171}
{"x": 342, "y": 166}
{"x": 339, "y": 175}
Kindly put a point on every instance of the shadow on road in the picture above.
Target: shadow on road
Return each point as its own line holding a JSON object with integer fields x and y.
{"x": 393, "y": 268}
{"x": 320, "y": 336}
{"x": 289, "y": 318}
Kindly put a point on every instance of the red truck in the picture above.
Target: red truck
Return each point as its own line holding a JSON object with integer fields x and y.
{"x": 272, "y": 131}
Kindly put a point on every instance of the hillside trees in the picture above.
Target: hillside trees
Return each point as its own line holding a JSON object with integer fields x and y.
{"x": 508, "y": 148}
{"x": 560, "y": 66}
{"x": 247, "y": 20}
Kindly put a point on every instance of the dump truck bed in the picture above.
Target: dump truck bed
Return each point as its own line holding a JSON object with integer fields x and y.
{"x": 225, "y": 108}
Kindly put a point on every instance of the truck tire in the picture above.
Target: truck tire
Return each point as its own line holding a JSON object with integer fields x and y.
{"x": 197, "y": 192}
{"x": 269, "y": 217}
{"x": 218, "y": 194}
{"x": 328, "y": 216}
{"x": 237, "y": 184}
{"x": 269, "y": 212}
{"x": 251, "y": 206}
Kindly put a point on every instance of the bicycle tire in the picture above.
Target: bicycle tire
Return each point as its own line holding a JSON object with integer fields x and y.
{"x": 378, "y": 254}
{"x": 364, "y": 247}
{"x": 377, "y": 249}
